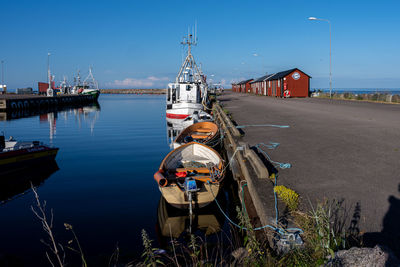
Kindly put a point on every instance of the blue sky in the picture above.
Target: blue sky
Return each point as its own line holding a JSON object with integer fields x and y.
{"x": 136, "y": 44}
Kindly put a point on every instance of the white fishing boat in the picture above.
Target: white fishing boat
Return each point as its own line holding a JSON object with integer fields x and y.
{"x": 189, "y": 91}
{"x": 65, "y": 88}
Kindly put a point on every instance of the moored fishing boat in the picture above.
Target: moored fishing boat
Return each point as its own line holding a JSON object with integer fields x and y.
{"x": 190, "y": 174}
{"x": 15, "y": 155}
{"x": 189, "y": 91}
{"x": 89, "y": 86}
{"x": 202, "y": 132}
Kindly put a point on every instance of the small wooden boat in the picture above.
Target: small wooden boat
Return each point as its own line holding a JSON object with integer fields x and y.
{"x": 190, "y": 174}
{"x": 15, "y": 155}
{"x": 202, "y": 132}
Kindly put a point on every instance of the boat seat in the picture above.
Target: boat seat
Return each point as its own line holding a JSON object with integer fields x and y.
{"x": 203, "y": 130}
{"x": 202, "y": 178}
{"x": 198, "y": 170}
{"x": 199, "y": 136}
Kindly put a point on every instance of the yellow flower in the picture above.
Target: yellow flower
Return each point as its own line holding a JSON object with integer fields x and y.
{"x": 68, "y": 226}
{"x": 288, "y": 196}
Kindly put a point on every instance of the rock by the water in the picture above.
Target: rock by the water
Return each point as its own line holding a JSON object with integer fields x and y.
{"x": 368, "y": 257}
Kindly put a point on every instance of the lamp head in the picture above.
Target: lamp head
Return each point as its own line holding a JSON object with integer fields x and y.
{"x": 312, "y": 18}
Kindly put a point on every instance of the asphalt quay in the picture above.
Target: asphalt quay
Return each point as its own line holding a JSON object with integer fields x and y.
{"x": 338, "y": 149}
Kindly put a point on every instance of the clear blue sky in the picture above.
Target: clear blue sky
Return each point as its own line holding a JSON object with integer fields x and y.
{"x": 133, "y": 44}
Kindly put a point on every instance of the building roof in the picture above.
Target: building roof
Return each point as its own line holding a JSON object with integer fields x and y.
{"x": 262, "y": 78}
{"x": 244, "y": 81}
{"x": 282, "y": 74}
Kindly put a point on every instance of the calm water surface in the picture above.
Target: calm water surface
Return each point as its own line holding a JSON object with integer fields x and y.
{"x": 104, "y": 186}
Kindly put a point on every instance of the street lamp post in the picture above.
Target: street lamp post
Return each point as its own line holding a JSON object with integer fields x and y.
{"x": 50, "y": 91}
{"x": 330, "y": 53}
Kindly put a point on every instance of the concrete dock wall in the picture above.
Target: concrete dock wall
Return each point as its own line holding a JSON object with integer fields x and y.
{"x": 247, "y": 167}
{"x": 34, "y": 102}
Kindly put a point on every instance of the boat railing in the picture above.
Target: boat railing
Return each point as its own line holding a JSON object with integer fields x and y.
{"x": 20, "y": 146}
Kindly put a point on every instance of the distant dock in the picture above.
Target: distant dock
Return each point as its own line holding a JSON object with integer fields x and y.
{"x": 134, "y": 91}
{"x": 11, "y": 102}
{"x": 18, "y": 106}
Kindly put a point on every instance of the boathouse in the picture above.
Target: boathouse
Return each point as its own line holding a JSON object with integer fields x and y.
{"x": 245, "y": 86}
{"x": 236, "y": 87}
{"x": 259, "y": 86}
{"x": 296, "y": 82}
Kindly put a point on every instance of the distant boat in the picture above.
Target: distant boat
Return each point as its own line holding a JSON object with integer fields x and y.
{"x": 202, "y": 132}
{"x": 15, "y": 155}
{"x": 89, "y": 86}
{"x": 190, "y": 174}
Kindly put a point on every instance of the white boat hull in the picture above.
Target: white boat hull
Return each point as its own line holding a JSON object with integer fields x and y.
{"x": 181, "y": 111}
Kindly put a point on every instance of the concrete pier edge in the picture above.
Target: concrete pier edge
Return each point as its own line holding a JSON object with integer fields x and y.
{"x": 246, "y": 166}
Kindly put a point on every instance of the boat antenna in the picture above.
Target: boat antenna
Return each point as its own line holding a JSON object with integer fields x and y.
{"x": 189, "y": 62}
{"x": 78, "y": 78}
{"x": 195, "y": 30}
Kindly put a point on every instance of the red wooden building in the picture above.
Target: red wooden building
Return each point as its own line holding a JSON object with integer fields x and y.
{"x": 245, "y": 86}
{"x": 296, "y": 82}
{"x": 235, "y": 87}
{"x": 259, "y": 86}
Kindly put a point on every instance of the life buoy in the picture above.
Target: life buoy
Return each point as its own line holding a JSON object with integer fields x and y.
{"x": 286, "y": 94}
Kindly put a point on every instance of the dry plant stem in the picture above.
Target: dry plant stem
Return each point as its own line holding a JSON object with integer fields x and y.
{"x": 84, "y": 264}
{"x": 173, "y": 246}
{"x": 40, "y": 213}
{"x": 114, "y": 257}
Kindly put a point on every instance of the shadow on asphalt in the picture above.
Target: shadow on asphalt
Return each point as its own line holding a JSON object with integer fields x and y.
{"x": 390, "y": 234}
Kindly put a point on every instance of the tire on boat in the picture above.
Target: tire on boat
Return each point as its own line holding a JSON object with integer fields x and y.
{"x": 26, "y": 104}
{"x": 20, "y": 105}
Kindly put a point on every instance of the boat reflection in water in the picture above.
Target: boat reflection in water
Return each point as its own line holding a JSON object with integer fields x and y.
{"x": 17, "y": 183}
{"x": 83, "y": 115}
{"x": 173, "y": 130}
{"x": 177, "y": 223}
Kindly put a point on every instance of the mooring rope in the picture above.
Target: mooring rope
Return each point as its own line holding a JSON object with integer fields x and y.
{"x": 272, "y": 146}
{"x": 279, "y": 230}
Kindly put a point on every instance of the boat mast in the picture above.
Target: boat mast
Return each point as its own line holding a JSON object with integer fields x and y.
{"x": 189, "y": 62}
{"x": 90, "y": 80}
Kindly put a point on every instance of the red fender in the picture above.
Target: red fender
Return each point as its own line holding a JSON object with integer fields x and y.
{"x": 160, "y": 179}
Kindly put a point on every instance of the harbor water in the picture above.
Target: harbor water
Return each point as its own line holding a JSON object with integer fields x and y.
{"x": 103, "y": 185}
